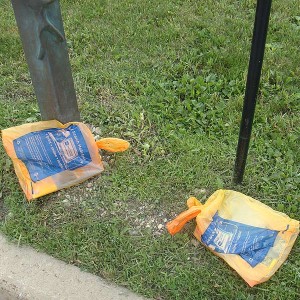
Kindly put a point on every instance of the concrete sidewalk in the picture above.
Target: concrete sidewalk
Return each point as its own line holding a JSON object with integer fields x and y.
{"x": 26, "y": 274}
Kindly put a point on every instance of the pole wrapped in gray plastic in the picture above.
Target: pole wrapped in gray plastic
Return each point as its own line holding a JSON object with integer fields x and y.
{"x": 43, "y": 38}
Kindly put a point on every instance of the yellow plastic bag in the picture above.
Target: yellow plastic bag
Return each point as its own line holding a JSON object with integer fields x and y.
{"x": 49, "y": 156}
{"x": 250, "y": 236}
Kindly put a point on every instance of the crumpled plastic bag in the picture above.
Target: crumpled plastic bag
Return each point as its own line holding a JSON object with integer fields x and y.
{"x": 48, "y": 155}
{"x": 251, "y": 237}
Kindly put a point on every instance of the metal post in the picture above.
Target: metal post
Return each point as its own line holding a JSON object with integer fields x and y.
{"x": 43, "y": 38}
{"x": 255, "y": 64}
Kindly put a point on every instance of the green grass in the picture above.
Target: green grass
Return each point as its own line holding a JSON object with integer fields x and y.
{"x": 168, "y": 76}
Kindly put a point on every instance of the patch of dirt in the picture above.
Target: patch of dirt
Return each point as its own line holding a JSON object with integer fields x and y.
{"x": 85, "y": 198}
{"x": 146, "y": 216}
{"x": 141, "y": 218}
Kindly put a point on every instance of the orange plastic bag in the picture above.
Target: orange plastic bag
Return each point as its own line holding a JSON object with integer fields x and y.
{"x": 49, "y": 156}
{"x": 250, "y": 236}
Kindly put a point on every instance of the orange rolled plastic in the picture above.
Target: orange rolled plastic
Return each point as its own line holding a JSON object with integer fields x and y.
{"x": 112, "y": 144}
{"x": 178, "y": 223}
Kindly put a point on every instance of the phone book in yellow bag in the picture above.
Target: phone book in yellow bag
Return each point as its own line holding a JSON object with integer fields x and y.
{"x": 251, "y": 237}
{"x": 48, "y": 156}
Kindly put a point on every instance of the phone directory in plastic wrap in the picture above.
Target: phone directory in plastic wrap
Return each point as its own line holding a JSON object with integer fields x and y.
{"x": 49, "y": 156}
{"x": 251, "y": 237}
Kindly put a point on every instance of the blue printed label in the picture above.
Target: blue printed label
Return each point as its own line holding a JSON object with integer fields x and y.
{"x": 51, "y": 151}
{"x": 250, "y": 242}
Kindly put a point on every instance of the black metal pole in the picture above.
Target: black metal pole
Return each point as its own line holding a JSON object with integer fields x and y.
{"x": 255, "y": 64}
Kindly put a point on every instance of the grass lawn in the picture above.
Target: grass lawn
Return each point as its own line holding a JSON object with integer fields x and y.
{"x": 169, "y": 77}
